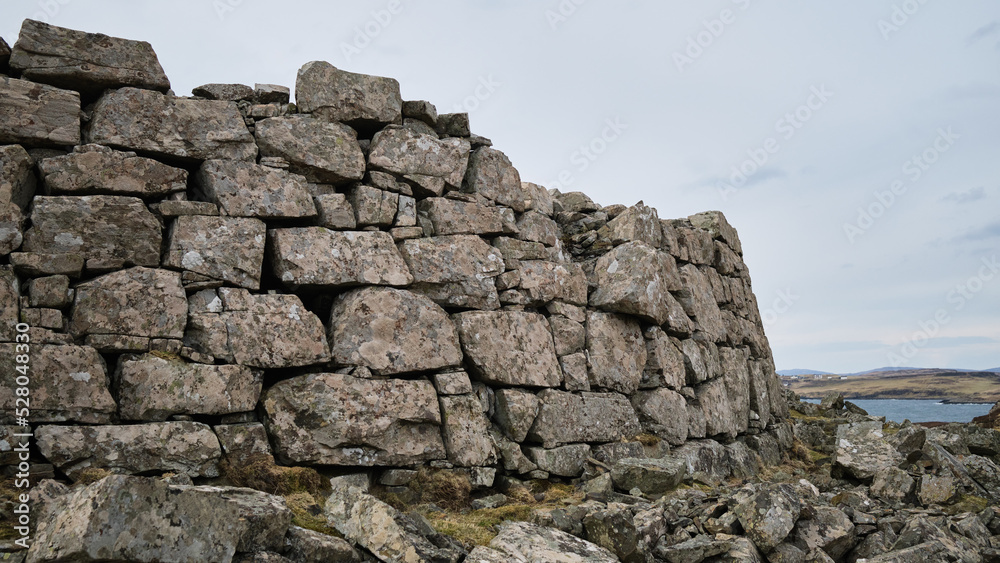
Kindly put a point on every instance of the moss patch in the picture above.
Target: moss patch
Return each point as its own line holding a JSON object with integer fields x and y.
{"x": 477, "y": 527}
{"x": 259, "y": 471}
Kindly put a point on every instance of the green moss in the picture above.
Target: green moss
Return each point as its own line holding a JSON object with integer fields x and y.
{"x": 307, "y": 513}
{"x": 259, "y": 471}
{"x": 967, "y": 503}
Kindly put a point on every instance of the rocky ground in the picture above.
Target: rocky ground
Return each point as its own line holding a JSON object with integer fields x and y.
{"x": 852, "y": 488}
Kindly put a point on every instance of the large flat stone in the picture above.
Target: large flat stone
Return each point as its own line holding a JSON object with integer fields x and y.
{"x": 245, "y": 189}
{"x": 392, "y": 331}
{"x": 636, "y": 279}
{"x": 190, "y": 448}
{"x": 453, "y": 217}
{"x": 522, "y": 541}
{"x": 37, "y": 115}
{"x": 491, "y": 175}
{"x": 359, "y": 100}
{"x": 337, "y": 419}
{"x": 134, "y": 302}
{"x": 194, "y": 129}
{"x": 86, "y": 62}
{"x": 406, "y": 152}
{"x": 455, "y": 271}
{"x": 617, "y": 351}
{"x": 509, "y": 348}
{"x": 565, "y": 418}
{"x": 663, "y": 412}
{"x": 154, "y": 388}
{"x": 316, "y": 256}
{"x": 95, "y": 169}
{"x": 545, "y": 281}
{"x": 110, "y": 231}
{"x": 323, "y": 152}
{"x": 68, "y": 384}
{"x": 224, "y": 248}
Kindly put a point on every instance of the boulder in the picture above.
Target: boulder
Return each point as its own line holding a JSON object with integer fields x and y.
{"x": 189, "y": 448}
{"x": 406, "y": 152}
{"x": 544, "y": 281}
{"x": 454, "y": 217}
{"x": 315, "y": 256}
{"x": 335, "y": 419}
{"x": 135, "y": 302}
{"x": 491, "y": 175}
{"x": 145, "y": 520}
{"x": 454, "y": 271}
{"x": 230, "y": 249}
{"x": 95, "y": 169}
{"x": 663, "y": 412}
{"x": 154, "y": 388}
{"x": 829, "y": 529}
{"x": 638, "y": 223}
{"x": 651, "y": 476}
{"x": 861, "y": 450}
{"x": 263, "y": 331}
{"x": 617, "y": 352}
{"x": 768, "y": 515}
{"x": 323, "y": 152}
{"x": 536, "y": 227}
{"x": 36, "y": 115}
{"x": 562, "y": 461}
{"x": 636, "y": 279}
{"x": 68, "y": 384}
{"x": 664, "y": 358}
{"x": 245, "y": 189}
{"x": 358, "y": 100}
{"x": 373, "y": 206}
{"x": 109, "y": 231}
{"x": 521, "y": 541}
{"x": 698, "y": 300}
{"x": 719, "y": 228}
{"x": 509, "y": 348}
{"x": 466, "y": 431}
{"x": 565, "y": 418}
{"x": 392, "y": 331}
{"x": 183, "y": 128}
{"x": 305, "y": 545}
{"x": 85, "y": 62}
{"x": 515, "y": 412}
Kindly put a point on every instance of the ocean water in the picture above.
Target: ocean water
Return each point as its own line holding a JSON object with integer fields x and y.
{"x": 899, "y": 410}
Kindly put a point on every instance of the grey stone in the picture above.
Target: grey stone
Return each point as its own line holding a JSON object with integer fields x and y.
{"x": 36, "y": 115}
{"x": 138, "y": 301}
{"x": 323, "y": 152}
{"x": 335, "y": 212}
{"x": 315, "y": 256}
{"x": 190, "y": 448}
{"x": 17, "y": 177}
{"x": 95, "y": 169}
{"x": 546, "y": 281}
{"x": 10, "y": 300}
{"x": 862, "y": 451}
{"x": 453, "y": 125}
{"x": 663, "y": 412}
{"x": 406, "y": 152}
{"x": 617, "y": 352}
{"x": 491, "y": 175}
{"x": 241, "y": 441}
{"x": 509, "y": 348}
{"x": 111, "y": 231}
{"x": 521, "y": 541}
{"x": 536, "y": 227}
{"x": 569, "y": 336}
{"x": 664, "y": 357}
{"x": 466, "y": 431}
{"x": 829, "y": 529}
{"x": 638, "y": 223}
{"x": 306, "y": 546}
{"x": 698, "y": 300}
{"x": 454, "y": 271}
{"x": 515, "y": 412}
{"x": 392, "y": 331}
{"x": 422, "y": 110}
{"x": 359, "y": 100}
{"x": 453, "y": 217}
{"x": 144, "y": 120}
{"x": 455, "y": 383}
{"x": 226, "y": 92}
{"x": 373, "y": 206}
{"x": 768, "y": 515}
{"x": 50, "y": 291}
{"x": 636, "y": 279}
{"x": 564, "y": 461}
{"x": 716, "y": 224}
{"x": 575, "y": 373}
{"x": 337, "y": 419}
{"x": 245, "y": 189}
{"x": 565, "y": 418}
{"x": 68, "y": 384}
{"x": 651, "y": 476}
{"x": 86, "y": 62}
{"x": 225, "y": 248}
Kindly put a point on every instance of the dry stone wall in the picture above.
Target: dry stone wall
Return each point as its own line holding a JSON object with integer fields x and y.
{"x": 349, "y": 280}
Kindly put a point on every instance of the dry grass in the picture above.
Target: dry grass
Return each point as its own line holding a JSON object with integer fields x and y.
{"x": 938, "y": 385}
{"x": 259, "y": 471}
{"x": 91, "y": 475}
{"x": 478, "y": 527}
{"x": 307, "y": 512}
{"x": 648, "y": 440}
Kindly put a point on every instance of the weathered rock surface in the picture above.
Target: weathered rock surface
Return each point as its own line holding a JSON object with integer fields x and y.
{"x": 699, "y": 303}
{"x": 651, "y": 476}
{"x": 109, "y": 231}
{"x": 862, "y": 451}
{"x": 616, "y": 350}
{"x": 138, "y": 301}
{"x": 230, "y": 249}
{"x": 453, "y": 217}
{"x": 521, "y": 541}
{"x": 545, "y": 281}
{"x": 315, "y": 256}
{"x": 245, "y": 189}
{"x": 17, "y": 179}
{"x": 565, "y": 418}
{"x": 38, "y": 115}
{"x": 190, "y": 448}
{"x": 359, "y": 100}
{"x": 392, "y": 331}
{"x": 515, "y": 412}
{"x": 342, "y": 420}
{"x": 636, "y": 279}
{"x": 509, "y": 348}
{"x": 95, "y": 169}
{"x": 454, "y": 271}
{"x": 406, "y": 152}
{"x": 154, "y": 388}
{"x": 107, "y": 521}
{"x": 321, "y": 151}
{"x": 768, "y": 515}
{"x": 563, "y": 461}
{"x": 491, "y": 175}
{"x": 68, "y": 384}
{"x": 264, "y": 331}
{"x": 86, "y": 62}
{"x": 144, "y": 120}
{"x": 663, "y": 412}
{"x": 466, "y": 431}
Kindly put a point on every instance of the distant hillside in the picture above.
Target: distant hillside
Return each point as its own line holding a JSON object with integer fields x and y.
{"x": 937, "y": 384}
{"x": 802, "y": 372}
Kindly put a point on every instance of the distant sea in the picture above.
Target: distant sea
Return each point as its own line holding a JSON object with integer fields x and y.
{"x": 899, "y": 410}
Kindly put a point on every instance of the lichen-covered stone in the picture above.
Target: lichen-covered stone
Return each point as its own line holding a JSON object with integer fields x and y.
{"x": 95, "y": 169}
{"x": 698, "y": 300}
{"x": 862, "y": 451}
{"x": 407, "y": 153}
{"x": 321, "y": 151}
{"x": 245, "y": 189}
{"x": 68, "y": 384}
{"x": 392, "y": 331}
{"x": 37, "y": 115}
{"x": 491, "y": 175}
{"x": 638, "y": 223}
{"x": 616, "y": 350}
{"x": 515, "y": 412}
{"x": 565, "y": 418}
{"x": 651, "y": 476}
{"x": 154, "y": 388}
{"x": 315, "y": 256}
{"x": 563, "y": 461}
{"x": 521, "y": 541}
{"x": 337, "y": 419}
{"x": 829, "y": 529}
{"x": 664, "y": 413}
{"x": 509, "y": 348}
{"x": 355, "y": 99}
{"x": 147, "y": 121}
{"x": 86, "y": 62}
{"x": 768, "y": 515}
{"x": 636, "y": 279}
{"x": 466, "y": 431}
{"x": 109, "y": 231}
{"x": 453, "y": 217}
{"x": 225, "y": 248}
{"x": 190, "y": 448}
{"x": 373, "y": 206}
{"x": 17, "y": 178}
{"x": 10, "y": 304}
{"x": 136, "y": 302}
{"x": 545, "y": 281}
{"x": 454, "y": 271}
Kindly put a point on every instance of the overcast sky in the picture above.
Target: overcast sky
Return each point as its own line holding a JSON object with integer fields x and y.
{"x": 867, "y": 131}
